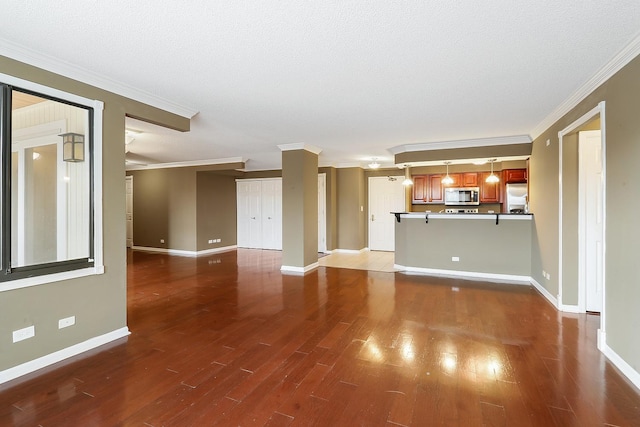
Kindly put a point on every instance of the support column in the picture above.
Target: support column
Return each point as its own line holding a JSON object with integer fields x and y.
{"x": 299, "y": 207}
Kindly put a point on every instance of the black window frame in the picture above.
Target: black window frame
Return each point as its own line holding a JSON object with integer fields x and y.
{"x": 7, "y": 272}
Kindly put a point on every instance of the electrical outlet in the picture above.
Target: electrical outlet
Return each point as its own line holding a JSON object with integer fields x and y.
{"x": 548, "y": 142}
{"x": 455, "y": 258}
{"x": 66, "y": 322}
{"x": 161, "y": 240}
{"x": 544, "y": 274}
{"x": 548, "y": 276}
{"x": 24, "y": 333}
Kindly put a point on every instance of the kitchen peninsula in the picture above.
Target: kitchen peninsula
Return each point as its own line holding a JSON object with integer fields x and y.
{"x": 493, "y": 246}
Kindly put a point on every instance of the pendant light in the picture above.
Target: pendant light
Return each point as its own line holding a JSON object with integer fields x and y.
{"x": 447, "y": 180}
{"x": 492, "y": 179}
{"x": 407, "y": 177}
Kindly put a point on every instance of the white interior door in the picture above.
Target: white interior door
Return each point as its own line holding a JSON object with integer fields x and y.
{"x": 386, "y": 195}
{"x": 590, "y": 219}
{"x": 249, "y": 219}
{"x": 129, "y": 209}
{"x": 271, "y": 200}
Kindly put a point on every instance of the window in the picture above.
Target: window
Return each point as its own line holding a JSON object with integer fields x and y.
{"x": 47, "y": 182}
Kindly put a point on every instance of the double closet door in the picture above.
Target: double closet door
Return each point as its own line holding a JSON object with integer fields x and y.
{"x": 259, "y": 213}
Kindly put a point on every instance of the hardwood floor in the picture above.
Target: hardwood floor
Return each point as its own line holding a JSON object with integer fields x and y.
{"x": 228, "y": 340}
{"x": 364, "y": 260}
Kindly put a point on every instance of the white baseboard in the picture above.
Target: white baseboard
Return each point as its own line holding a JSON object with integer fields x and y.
{"x": 545, "y": 293}
{"x": 494, "y": 277}
{"x": 60, "y": 355}
{"x": 569, "y": 308}
{"x": 625, "y": 368}
{"x": 289, "y": 269}
{"x": 180, "y": 252}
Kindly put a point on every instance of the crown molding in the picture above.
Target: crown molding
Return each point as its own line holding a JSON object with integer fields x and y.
{"x": 462, "y": 143}
{"x": 300, "y": 146}
{"x": 207, "y": 162}
{"x": 622, "y": 58}
{"x": 49, "y": 63}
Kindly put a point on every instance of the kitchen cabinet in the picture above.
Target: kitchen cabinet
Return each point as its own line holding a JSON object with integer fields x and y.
{"x": 490, "y": 192}
{"x": 420, "y": 189}
{"x": 514, "y": 176}
{"x": 435, "y": 192}
{"x": 427, "y": 189}
{"x": 469, "y": 179}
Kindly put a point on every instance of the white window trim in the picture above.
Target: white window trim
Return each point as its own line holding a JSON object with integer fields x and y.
{"x": 98, "y": 107}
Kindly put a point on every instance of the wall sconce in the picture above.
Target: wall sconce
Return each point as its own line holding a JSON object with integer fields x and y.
{"x": 374, "y": 164}
{"x": 72, "y": 147}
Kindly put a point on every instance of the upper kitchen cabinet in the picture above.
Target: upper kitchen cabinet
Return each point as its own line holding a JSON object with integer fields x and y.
{"x": 420, "y": 189}
{"x": 469, "y": 179}
{"x": 435, "y": 192}
{"x": 427, "y": 189}
{"x": 513, "y": 176}
{"x": 490, "y": 192}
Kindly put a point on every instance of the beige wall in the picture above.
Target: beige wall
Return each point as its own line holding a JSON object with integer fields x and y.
{"x": 98, "y": 302}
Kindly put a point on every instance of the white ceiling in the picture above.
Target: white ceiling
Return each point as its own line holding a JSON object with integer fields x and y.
{"x": 353, "y": 78}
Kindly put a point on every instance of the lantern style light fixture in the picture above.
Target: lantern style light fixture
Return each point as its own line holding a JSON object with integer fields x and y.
{"x": 447, "y": 180}
{"x": 407, "y": 177}
{"x": 72, "y": 147}
{"x": 493, "y": 178}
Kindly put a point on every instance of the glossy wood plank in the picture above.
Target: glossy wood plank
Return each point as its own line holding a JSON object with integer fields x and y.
{"x": 228, "y": 340}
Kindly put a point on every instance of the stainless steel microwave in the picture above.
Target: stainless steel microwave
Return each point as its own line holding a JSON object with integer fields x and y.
{"x": 462, "y": 196}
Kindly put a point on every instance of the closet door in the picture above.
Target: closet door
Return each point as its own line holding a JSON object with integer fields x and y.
{"x": 272, "y": 214}
{"x": 249, "y": 213}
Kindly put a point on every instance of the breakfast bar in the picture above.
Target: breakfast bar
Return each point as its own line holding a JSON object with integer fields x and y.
{"x": 492, "y": 246}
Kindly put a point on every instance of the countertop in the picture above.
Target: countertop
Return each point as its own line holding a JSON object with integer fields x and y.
{"x": 476, "y": 216}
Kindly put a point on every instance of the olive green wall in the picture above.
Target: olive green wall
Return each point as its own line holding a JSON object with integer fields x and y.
{"x": 299, "y": 208}
{"x": 351, "y": 209}
{"x": 216, "y": 210}
{"x": 621, "y": 94}
{"x": 570, "y": 219}
{"x": 331, "y": 206}
{"x": 98, "y": 301}
{"x": 164, "y": 208}
{"x": 429, "y": 245}
{"x": 184, "y": 207}
{"x": 486, "y": 152}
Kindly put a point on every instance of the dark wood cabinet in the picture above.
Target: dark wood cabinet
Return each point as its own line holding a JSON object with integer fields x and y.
{"x": 420, "y": 189}
{"x": 469, "y": 179}
{"x": 513, "y": 176}
{"x": 436, "y": 194}
{"x": 489, "y": 192}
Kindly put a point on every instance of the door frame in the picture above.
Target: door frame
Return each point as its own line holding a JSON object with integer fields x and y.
{"x": 573, "y": 128}
{"x": 129, "y": 178}
{"x": 322, "y": 212}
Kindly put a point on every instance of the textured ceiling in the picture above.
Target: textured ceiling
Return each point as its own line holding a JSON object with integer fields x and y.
{"x": 353, "y": 78}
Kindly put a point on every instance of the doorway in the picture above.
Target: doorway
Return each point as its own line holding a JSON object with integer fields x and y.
{"x": 582, "y": 216}
{"x": 590, "y": 220}
{"x": 386, "y": 195}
